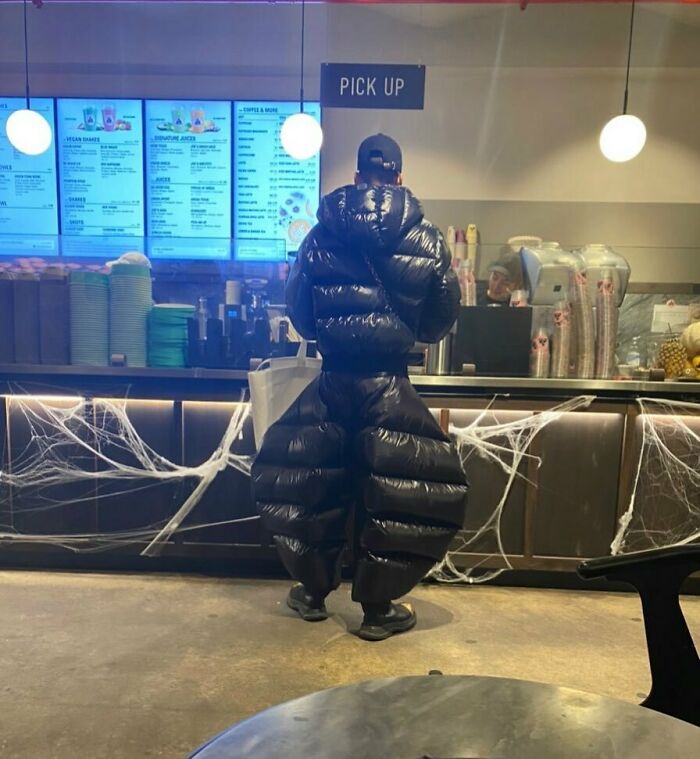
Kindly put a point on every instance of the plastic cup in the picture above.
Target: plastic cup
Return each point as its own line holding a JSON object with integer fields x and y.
{"x": 197, "y": 115}
{"x": 90, "y": 118}
{"x": 179, "y": 119}
{"x": 109, "y": 117}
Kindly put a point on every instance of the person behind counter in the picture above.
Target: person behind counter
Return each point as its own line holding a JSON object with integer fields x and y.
{"x": 359, "y": 446}
{"x": 505, "y": 276}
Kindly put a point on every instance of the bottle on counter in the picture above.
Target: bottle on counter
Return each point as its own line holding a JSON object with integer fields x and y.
{"x": 214, "y": 346}
{"x": 202, "y": 314}
{"x": 195, "y": 345}
{"x": 634, "y": 353}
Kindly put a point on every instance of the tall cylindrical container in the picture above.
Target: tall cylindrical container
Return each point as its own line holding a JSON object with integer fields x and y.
{"x": 585, "y": 326}
{"x": 467, "y": 283}
{"x": 561, "y": 339}
{"x": 461, "y": 246}
{"x": 606, "y": 323}
{"x": 131, "y": 302}
{"x": 439, "y": 356}
{"x": 451, "y": 239}
{"x": 539, "y": 355}
{"x": 88, "y": 293}
{"x": 472, "y": 244}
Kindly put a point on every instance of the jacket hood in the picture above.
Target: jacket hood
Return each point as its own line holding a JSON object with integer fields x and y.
{"x": 376, "y": 217}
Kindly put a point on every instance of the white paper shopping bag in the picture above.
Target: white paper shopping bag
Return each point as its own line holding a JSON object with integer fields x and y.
{"x": 276, "y": 384}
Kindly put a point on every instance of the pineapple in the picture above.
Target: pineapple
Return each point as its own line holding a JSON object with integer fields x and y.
{"x": 672, "y": 357}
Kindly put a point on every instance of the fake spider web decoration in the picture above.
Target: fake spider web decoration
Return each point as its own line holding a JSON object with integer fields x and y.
{"x": 506, "y": 445}
{"x": 664, "y": 508}
{"x": 82, "y": 444}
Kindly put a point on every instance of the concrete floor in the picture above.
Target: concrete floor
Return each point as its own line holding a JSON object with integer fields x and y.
{"x": 109, "y": 665}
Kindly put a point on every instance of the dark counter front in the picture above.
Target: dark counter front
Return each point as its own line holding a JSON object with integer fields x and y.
{"x": 97, "y": 461}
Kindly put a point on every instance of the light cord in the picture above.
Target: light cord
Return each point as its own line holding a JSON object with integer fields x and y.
{"x": 629, "y": 59}
{"x": 26, "y": 57}
{"x": 301, "y": 74}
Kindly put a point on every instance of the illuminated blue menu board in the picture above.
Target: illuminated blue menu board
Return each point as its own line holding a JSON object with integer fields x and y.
{"x": 28, "y": 197}
{"x": 276, "y": 196}
{"x": 100, "y": 148}
{"x": 188, "y": 165}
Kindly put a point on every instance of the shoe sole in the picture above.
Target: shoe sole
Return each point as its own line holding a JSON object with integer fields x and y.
{"x": 305, "y": 613}
{"x": 377, "y": 633}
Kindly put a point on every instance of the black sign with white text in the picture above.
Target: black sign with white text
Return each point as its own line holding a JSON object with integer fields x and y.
{"x": 371, "y": 85}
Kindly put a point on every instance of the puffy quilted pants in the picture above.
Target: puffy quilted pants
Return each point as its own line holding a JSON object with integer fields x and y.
{"x": 359, "y": 458}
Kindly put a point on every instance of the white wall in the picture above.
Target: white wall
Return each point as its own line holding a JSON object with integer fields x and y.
{"x": 514, "y": 100}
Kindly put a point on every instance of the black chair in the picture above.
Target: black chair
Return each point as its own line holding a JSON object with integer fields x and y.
{"x": 657, "y": 575}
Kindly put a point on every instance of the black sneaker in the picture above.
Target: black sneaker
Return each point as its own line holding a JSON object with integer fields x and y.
{"x": 380, "y": 625}
{"x": 305, "y": 606}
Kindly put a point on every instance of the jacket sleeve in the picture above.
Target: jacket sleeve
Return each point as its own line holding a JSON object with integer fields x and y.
{"x": 298, "y": 293}
{"x": 441, "y": 306}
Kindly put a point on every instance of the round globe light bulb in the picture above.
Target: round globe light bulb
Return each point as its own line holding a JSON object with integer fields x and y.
{"x": 29, "y": 132}
{"x": 623, "y": 138}
{"x": 301, "y": 136}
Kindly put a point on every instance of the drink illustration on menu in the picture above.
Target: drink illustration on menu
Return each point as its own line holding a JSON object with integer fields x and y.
{"x": 100, "y": 147}
{"x": 188, "y": 159}
{"x": 276, "y": 196}
{"x": 28, "y": 196}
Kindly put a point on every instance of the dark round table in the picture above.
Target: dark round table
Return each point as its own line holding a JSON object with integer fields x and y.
{"x": 448, "y": 717}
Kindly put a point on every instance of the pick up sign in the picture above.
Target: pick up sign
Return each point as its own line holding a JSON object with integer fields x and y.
{"x": 371, "y": 85}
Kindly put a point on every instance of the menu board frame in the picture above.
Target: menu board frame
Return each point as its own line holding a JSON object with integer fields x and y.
{"x": 143, "y": 242}
{"x": 57, "y": 210}
{"x": 89, "y": 102}
{"x": 234, "y": 240}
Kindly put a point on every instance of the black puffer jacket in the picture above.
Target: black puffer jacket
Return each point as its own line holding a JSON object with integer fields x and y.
{"x": 333, "y": 295}
{"x": 359, "y": 447}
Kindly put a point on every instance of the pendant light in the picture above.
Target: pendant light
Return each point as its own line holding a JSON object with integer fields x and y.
{"x": 28, "y": 131}
{"x": 623, "y": 137}
{"x": 301, "y": 134}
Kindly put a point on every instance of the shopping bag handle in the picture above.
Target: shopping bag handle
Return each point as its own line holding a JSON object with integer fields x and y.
{"x": 301, "y": 356}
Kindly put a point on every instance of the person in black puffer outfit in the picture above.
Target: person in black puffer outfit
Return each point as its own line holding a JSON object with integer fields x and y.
{"x": 358, "y": 455}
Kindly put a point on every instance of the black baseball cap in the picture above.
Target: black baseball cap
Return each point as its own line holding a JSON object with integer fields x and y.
{"x": 379, "y": 151}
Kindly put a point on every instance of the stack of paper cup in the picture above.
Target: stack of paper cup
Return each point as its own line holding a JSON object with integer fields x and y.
{"x": 585, "y": 326}
{"x": 130, "y": 304}
{"x": 561, "y": 339}
{"x": 472, "y": 243}
{"x": 467, "y": 282}
{"x": 539, "y": 354}
{"x": 451, "y": 240}
{"x": 606, "y": 322}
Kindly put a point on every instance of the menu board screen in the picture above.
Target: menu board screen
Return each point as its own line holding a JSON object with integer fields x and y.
{"x": 28, "y": 196}
{"x": 100, "y": 147}
{"x": 188, "y": 165}
{"x": 276, "y": 196}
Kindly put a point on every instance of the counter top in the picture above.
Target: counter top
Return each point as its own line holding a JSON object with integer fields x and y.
{"x": 565, "y": 387}
{"x": 219, "y": 383}
{"x": 8, "y": 371}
